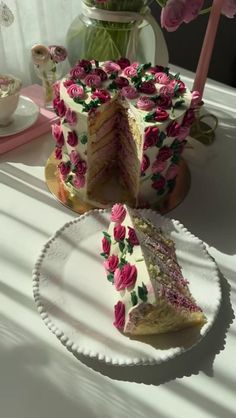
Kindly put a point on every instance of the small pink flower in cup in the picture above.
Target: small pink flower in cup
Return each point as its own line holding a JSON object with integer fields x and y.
{"x": 172, "y": 15}
{"x": 119, "y": 314}
{"x": 192, "y": 9}
{"x": 118, "y": 213}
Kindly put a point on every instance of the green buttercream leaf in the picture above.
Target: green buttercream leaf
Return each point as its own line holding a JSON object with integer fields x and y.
{"x": 112, "y": 86}
{"x": 166, "y": 70}
{"x": 149, "y": 117}
{"x": 110, "y": 277}
{"x": 143, "y": 292}
{"x": 83, "y": 139}
{"x": 104, "y": 255}
{"x": 107, "y": 236}
{"x": 130, "y": 248}
{"x": 177, "y": 76}
{"x": 121, "y": 246}
{"x": 134, "y": 298}
{"x": 96, "y": 64}
{"x": 178, "y": 103}
{"x": 69, "y": 179}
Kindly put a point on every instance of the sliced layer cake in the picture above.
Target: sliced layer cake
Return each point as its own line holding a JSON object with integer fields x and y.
{"x": 152, "y": 296}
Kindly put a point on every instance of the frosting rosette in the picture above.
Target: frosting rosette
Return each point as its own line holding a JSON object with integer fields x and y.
{"x": 74, "y": 157}
{"x": 158, "y": 166}
{"x": 119, "y": 232}
{"x": 151, "y": 137}
{"x": 58, "y": 134}
{"x": 123, "y": 63}
{"x": 159, "y": 184}
{"x": 125, "y": 277}
{"x": 106, "y": 246}
{"x": 162, "y": 78}
{"x": 164, "y": 154}
{"x": 100, "y": 72}
{"x": 58, "y": 153}
{"x": 58, "y": 53}
{"x": 130, "y": 71}
{"x": 80, "y": 168}
{"x": 93, "y": 80}
{"x": 111, "y": 67}
{"x": 101, "y": 94}
{"x": 121, "y": 82}
{"x": 71, "y": 117}
{"x": 119, "y": 314}
{"x": 132, "y": 237}
{"x": 72, "y": 138}
{"x": 118, "y": 213}
{"x": 59, "y": 107}
{"x": 79, "y": 181}
{"x": 129, "y": 92}
{"x": 64, "y": 169}
{"x": 75, "y": 90}
{"x": 111, "y": 263}
{"x": 145, "y": 103}
{"x": 77, "y": 72}
{"x": 145, "y": 163}
{"x": 172, "y": 172}
{"x": 147, "y": 87}
{"x": 173, "y": 129}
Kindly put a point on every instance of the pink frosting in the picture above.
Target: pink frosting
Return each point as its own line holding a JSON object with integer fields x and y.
{"x": 159, "y": 184}
{"x": 130, "y": 71}
{"x": 151, "y": 137}
{"x": 56, "y": 89}
{"x": 159, "y": 166}
{"x": 78, "y": 72}
{"x": 111, "y": 263}
{"x": 93, "y": 80}
{"x": 164, "y": 153}
{"x": 74, "y": 157}
{"x": 72, "y": 139}
{"x": 129, "y": 92}
{"x": 71, "y": 117}
{"x": 58, "y": 153}
{"x": 147, "y": 87}
{"x": 101, "y": 94}
{"x": 118, "y": 213}
{"x": 59, "y": 107}
{"x": 125, "y": 277}
{"x": 119, "y": 314}
{"x": 79, "y": 181}
{"x": 173, "y": 129}
{"x": 57, "y": 134}
{"x": 172, "y": 172}
{"x": 121, "y": 82}
{"x": 183, "y": 132}
{"x": 75, "y": 91}
{"x": 111, "y": 67}
{"x": 196, "y": 99}
{"x": 64, "y": 170}
{"x": 145, "y": 163}
{"x": 81, "y": 168}
{"x": 123, "y": 63}
{"x": 145, "y": 103}
{"x": 180, "y": 84}
{"x": 119, "y": 232}
{"x": 167, "y": 91}
{"x": 106, "y": 246}
{"x": 162, "y": 78}
{"x": 101, "y": 73}
{"x": 133, "y": 239}
{"x": 68, "y": 83}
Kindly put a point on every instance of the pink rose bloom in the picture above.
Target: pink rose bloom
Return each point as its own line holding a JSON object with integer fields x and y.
{"x": 58, "y": 153}
{"x": 78, "y": 72}
{"x": 156, "y": 69}
{"x": 164, "y": 154}
{"x": 189, "y": 118}
{"x": 144, "y": 103}
{"x": 129, "y": 92}
{"x": 192, "y": 9}
{"x": 74, "y": 157}
{"x": 160, "y": 115}
{"x": 101, "y": 94}
{"x": 79, "y": 181}
{"x": 167, "y": 91}
{"x": 72, "y": 139}
{"x": 184, "y": 131}
{"x": 106, "y": 246}
{"x": 85, "y": 64}
{"x": 123, "y": 63}
{"x": 172, "y": 15}
{"x": 56, "y": 89}
{"x": 64, "y": 169}
{"x": 145, "y": 163}
{"x": 196, "y": 99}
{"x": 119, "y": 232}
{"x": 229, "y": 8}
{"x": 130, "y": 71}
{"x": 75, "y": 91}
{"x": 159, "y": 184}
{"x": 135, "y": 64}
{"x": 60, "y": 108}
{"x": 173, "y": 129}
{"x": 93, "y": 80}
{"x": 119, "y": 314}
{"x": 164, "y": 101}
{"x": 151, "y": 137}
{"x": 172, "y": 172}
{"x": 58, "y": 53}
{"x": 133, "y": 239}
{"x": 180, "y": 84}
{"x": 158, "y": 166}
{"x": 81, "y": 168}
{"x": 147, "y": 87}
{"x": 125, "y": 277}
{"x": 71, "y": 117}
{"x": 68, "y": 83}
{"x": 118, "y": 213}
{"x": 101, "y": 73}
{"x": 162, "y": 78}
{"x": 111, "y": 67}
{"x": 121, "y": 82}
{"x": 111, "y": 263}
{"x": 58, "y": 135}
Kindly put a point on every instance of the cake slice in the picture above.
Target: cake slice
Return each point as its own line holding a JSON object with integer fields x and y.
{"x": 152, "y": 296}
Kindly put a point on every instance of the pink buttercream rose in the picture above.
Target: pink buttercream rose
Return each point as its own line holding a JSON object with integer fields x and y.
{"x": 85, "y": 64}
{"x": 164, "y": 101}
{"x": 93, "y": 80}
{"x": 162, "y": 78}
{"x": 147, "y": 87}
{"x": 135, "y": 64}
{"x": 158, "y": 166}
{"x": 145, "y": 163}
{"x": 119, "y": 314}
{"x": 123, "y": 63}
{"x": 59, "y": 107}
{"x": 129, "y": 92}
{"x": 75, "y": 91}
{"x": 178, "y": 83}
{"x": 71, "y": 117}
{"x": 118, "y": 213}
{"x": 229, "y": 8}
{"x": 81, "y": 168}
{"x": 156, "y": 69}
{"x": 132, "y": 236}
{"x": 189, "y": 118}
{"x": 78, "y": 72}
{"x": 74, "y": 157}
{"x": 159, "y": 184}
{"x": 164, "y": 154}
{"x": 64, "y": 169}
{"x": 111, "y": 67}
{"x": 101, "y": 94}
{"x": 58, "y": 53}
{"x": 121, "y": 82}
{"x": 172, "y": 172}
{"x": 130, "y": 71}
{"x": 56, "y": 89}
{"x": 192, "y": 9}
{"x": 101, "y": 73}
{"x": 126, "y": 277}
{"x": 172, "y": 15}
{"x": 173, "y": 129}
{"x": 68, "y": 83}
{"x": 111, "y": 263}
{"x": 196, "y": 99}
{"x": 184, "y": 131}
{"x": 167, "y": 90}
{"x": 79, "y": 181}
{"x": 151, "y": 137}
{"x": 119, "y": 232}
{"x": 72, "y": 139}
{"x": 58, "y": 153}
{"x": 145, "y": 103}
{"x": 58, "y": 135}
{"x": 160, "y": 115}
{"x": 106, "y": 246}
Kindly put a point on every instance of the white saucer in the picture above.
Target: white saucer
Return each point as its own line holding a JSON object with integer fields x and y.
{"x": 25, "y": 116}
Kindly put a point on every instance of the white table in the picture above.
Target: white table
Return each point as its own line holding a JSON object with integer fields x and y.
{"x": 38, "y": 377}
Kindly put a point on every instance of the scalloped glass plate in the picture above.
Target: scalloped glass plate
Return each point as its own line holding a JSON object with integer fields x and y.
{"x": 76, "y": 301}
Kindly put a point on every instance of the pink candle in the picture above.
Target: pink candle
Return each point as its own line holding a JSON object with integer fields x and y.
{"x": 207, "y": 47}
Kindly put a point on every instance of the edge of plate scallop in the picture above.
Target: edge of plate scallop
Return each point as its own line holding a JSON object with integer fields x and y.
{"x": 77, "y": 350}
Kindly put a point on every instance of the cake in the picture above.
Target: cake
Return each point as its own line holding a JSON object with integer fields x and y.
{"x": 122, "y": 121}
{"x": 151, "y": 295}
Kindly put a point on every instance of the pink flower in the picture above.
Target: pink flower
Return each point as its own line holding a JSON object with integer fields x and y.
{"x": 119, "y": 314}
{"x": 130, "y": 71}
{"x": 192, "y": 9}
{"x": 162, "y": 78}
{"x": 74, "y": 157}
{"x": 92, "y": 80}
{"x": 172, "y": 15}
{"x": 81, "y": 168}
{"x": 164, "y": 101}
{"x": 121, "y": 82}
{"x": 125, "y": 277}
{"x": 160, "y": 115}
{"x": 71, "y": 117}
{"x": 111, "y": 263}
{"x": 119, "y": 232}
{"x": 101, "y": 73}
{"x": 68, "y": 83}
{"x": 111, "y": 67}
{"x": 75, "y": 91}
{"x": 180, "y": 84}
{"x": 123, "y": 63}
{"x": 158, "y": 166}
{"x": 172, "y": 172}
{"x": 151, "y": 137}
{"x": 58, "y": 135}
{"x": 147, "y": 87}
{"x": 184, "y": 131}
{"x": 144, "y": 103}
{"x": 78, "y": 72}
{"x": 129, "y": 92}
{"x": 156, "y": 69}
{"x": 58, "y": 153}
{"x": 58, "y": 53}
{"x": 101, "y": 94}
{"x": 86, "y": 65}
{"x": 106, "y": 246}
{"x": 133, "y": 239}
{"x": 196, "y": 99}
{"x": 173, "y": 129}
{"x": 79, "y": 181}
{"x": 229, "y": 8}
{"x": 60, "y": 108}
{"x": 164, "y": 154}
{"x": 159, "y": 184}
{"x": 167, "y": 91}
{"x": 118, "y": 213}
{"x": 189, "y": 118}
{"x": 135, "y": 65}
{"x": 145, "y": 163}
{"x": 56, "y": 89}
{"x": 64, "y": 169}
{"x": 72, "y": 139}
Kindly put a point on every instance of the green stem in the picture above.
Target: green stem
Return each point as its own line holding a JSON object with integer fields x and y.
{"x": 205, "y": 11}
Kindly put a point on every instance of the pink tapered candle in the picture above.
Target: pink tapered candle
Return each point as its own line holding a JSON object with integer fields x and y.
{"x": 207, "y": 47}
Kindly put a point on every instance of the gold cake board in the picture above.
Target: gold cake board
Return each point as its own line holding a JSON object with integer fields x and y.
{"x": 60, "y": 192}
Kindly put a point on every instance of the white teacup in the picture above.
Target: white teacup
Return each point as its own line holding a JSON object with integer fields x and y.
{"x": 9, "y": 97}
